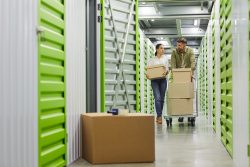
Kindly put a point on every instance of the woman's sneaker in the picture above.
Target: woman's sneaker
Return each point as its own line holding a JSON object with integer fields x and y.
{"x": 159, "y": 120}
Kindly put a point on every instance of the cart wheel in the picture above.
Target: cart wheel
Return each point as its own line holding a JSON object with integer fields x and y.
{"x": 192, "y": 122}
{"x": 180, "y": 119}
{"x": 168, "y": 122}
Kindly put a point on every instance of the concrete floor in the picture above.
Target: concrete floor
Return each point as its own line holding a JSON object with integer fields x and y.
{"x": 182, "y": 146}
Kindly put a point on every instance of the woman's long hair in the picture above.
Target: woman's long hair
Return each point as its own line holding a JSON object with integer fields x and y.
{"x": 157, "y": 47}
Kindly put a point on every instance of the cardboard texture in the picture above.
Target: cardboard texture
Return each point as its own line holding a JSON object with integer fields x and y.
{"x": 181, "y": 90}
{"x": 118, "y": 139}
{"x": 156, "y": 71}
{"x": 182, "y": 75}
{"x": 180, "y": 107}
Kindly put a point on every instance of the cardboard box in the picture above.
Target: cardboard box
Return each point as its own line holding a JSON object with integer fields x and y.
{"x": 181, "y": 75}
{"x": 181, "y": 90}
{"x": 156, "y": 71}
{"x": 180, "y": 107}
{"x": 118, "y": 139}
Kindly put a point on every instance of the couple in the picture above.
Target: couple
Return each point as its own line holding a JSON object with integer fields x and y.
{"x": 182, "y": 57}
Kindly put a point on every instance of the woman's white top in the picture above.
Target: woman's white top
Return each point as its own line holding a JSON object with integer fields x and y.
{"x": 156, "y": 61}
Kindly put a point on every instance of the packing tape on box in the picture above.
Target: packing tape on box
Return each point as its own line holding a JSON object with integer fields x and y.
{"x": 123, "y": 112}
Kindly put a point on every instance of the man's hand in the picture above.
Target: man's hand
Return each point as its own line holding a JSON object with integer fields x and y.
{"x": 147, "y": 76}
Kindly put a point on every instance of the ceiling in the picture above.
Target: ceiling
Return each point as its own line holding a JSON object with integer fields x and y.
{"x": 163, "y": 21}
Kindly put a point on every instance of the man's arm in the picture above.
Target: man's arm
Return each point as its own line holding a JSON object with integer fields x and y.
{"x": 173, "y": 60}
{"x": 192, "y": 59}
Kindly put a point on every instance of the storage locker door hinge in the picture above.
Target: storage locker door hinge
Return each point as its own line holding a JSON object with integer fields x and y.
{"x": 99, "y": 19}
{"x": 99, "y": 6}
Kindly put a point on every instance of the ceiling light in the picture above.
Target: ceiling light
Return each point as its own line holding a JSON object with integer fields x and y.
{"x": 152, "y": 20}
{"x": 144, "y": 3}
{"x": 195, "y": 22}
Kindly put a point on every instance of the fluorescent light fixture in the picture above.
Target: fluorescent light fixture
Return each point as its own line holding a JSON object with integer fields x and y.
{"x": 152, "y": 20}
{"x": 144, "y": 3}
{"x": 195, "y": 22}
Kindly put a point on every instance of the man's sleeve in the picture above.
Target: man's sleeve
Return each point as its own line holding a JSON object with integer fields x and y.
{"x": 192, "y": 59}
{"x": 173, "y": 60}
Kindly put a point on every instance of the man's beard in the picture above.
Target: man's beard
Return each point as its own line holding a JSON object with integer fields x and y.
{"x": 180, "y": 50}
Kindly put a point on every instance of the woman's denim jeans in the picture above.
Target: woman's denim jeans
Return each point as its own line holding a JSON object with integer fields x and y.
{"x": 159, "y": 88}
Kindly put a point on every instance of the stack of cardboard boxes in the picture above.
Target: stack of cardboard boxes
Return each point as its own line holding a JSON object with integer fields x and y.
{"x": 181, "y": 93}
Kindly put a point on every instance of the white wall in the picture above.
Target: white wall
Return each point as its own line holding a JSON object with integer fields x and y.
{"x": 18, "y": 84}
{"x": 240, "y": 65}
{"x": 75, "y": 74}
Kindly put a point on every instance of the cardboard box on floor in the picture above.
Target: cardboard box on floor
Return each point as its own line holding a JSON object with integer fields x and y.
{"x": 181, "y": 90}
{"x": 180, "y": 107}
{"x": 182, "y": 75}
{"x": 118, "y": 139}
{"x": 156, "y": 71}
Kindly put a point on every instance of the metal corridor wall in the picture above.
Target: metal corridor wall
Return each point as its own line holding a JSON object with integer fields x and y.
{"x": 240, "y": 82}
{"x": 18, "y": 85}
{"x": 76, "y": 74}
{"x": 119, "y": 55}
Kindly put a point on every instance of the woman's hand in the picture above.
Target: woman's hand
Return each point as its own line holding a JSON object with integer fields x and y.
{"x": 165, "y": 72}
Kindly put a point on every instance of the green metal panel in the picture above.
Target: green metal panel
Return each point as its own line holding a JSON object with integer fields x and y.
{"x": 148, "y": 93}
{"x": 102, "y": 61}
{"x": 214, "y": 73}
{"x": 137, "y": 59}
{"x": 203, "y": 77}
{"x": 145, "y": 79}
{"x": 226, "y": 75}
{"x": 52, "y": 138}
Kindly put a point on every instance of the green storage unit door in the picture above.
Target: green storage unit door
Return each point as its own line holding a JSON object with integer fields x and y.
{"x": 206, "y": 79}
{"x": 213, "y": 73}
{"x": 226, "y": 75}
{"x": 119, "y": 55}
{"x": 223, "y": 76}
{"x": 202, "y": 77}
{"x": 151, "y": 95}
{"x": 51, "y": 84}
{"x": 138, "y": 78}
{"x": 148, "y": 93}
{"x": 145, "y": 79}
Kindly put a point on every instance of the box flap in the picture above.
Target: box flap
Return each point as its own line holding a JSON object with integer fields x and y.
{"x": 108, "y": 115}
{"x": 181, "y": 69}
{"x": 154, "y": 66}
{"x": 96, "y": 114}
{"x": 138, "y": 114}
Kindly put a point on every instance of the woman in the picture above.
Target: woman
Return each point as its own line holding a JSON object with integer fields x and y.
{"x": 159, "y": 85}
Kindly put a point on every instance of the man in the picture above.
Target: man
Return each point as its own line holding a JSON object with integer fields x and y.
{"x": 183, "y": 57}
